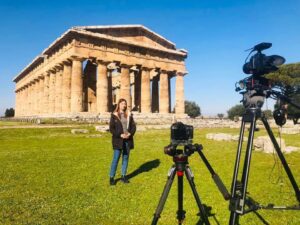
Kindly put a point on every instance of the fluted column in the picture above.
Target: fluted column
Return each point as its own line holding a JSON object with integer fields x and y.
{"x": 42, "y": 88}
{"x": 102, "y": 87}
{"x": 36, "y": 96}
{"x": 46, "y": 94}
{"x": 21, "y": 100}
{"x": 77, "y": 86}
{"x": 145, "y": 91}
{"x": 32, "y": 96}
{"x": 25, "y": 106}
{"x": 51, "y": 105}
{"x": 17, "y": 100}
{"x": 132, "y": 88}
{"x": 179, "y": 94}
{"x": 58, "y": 89}
{"x": 41, "y": 95}
{"x": 164, "y": 92}
{"x": 125, "y": 84}
{"x": 66, "y": 86}
{"x": 31, "y": 105}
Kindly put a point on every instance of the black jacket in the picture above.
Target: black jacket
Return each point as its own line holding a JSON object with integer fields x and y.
{"x": 115, "y": 127}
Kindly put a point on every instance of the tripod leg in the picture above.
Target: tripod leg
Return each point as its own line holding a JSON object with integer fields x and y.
{"x": 180, "y": 211}
{"x": 237, "y": 161}
{"x": 282, "y": 158}
{"x": 234, "y": 200}
{"x": 238, "y": 199}
{"x": 190, "y": 178}
{"x": 246, "y": 168}
{"x": 164, "y": 195}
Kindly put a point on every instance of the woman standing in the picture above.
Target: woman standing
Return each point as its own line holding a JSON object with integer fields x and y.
{"x": 122, "y": 127}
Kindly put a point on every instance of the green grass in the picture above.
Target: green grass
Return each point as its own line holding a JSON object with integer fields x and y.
{"x": 50, "y": 176}
{"x": 12, "y": 123}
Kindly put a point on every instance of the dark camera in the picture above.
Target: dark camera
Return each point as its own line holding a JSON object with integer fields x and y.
{"x": 260, "y": 64}
{"x": 181, "y": 134}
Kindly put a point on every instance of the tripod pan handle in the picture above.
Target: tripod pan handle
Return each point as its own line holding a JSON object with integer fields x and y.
{"x": 221, "y": 186}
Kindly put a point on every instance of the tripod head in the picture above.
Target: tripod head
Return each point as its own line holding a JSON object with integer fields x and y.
{"x": 189, "y": 149}
{"x": 256, "y": 88}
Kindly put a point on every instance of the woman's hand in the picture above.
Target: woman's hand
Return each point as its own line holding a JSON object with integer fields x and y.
{"x": 125, "y": 136}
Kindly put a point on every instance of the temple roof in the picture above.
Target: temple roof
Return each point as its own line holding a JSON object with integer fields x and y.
{"x": 122, "y": 31}
{"x": 136, "y": 35}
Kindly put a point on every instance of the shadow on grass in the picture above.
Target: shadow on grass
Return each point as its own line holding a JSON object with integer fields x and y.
{"x": 146, "y": 167}
{"x": 207, "y": 210}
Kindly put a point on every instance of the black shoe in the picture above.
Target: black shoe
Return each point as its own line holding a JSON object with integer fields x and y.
{"x": 124, "y": 180}
{"x": 112, "y": 181}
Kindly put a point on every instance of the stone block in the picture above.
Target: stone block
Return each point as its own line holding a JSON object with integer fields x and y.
{"x": 104, "y": 128}
{"x": 79, "y": 131}
{"x": 264, "y": 144}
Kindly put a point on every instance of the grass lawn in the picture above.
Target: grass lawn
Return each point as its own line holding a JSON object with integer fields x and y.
{"x": 50, "y": 176}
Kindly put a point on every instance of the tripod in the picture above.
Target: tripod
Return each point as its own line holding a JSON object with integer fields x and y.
{"x": 180, "y": 168}
{"x": 239, "y": 196}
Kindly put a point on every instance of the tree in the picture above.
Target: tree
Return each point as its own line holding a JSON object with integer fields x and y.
{"x": 192, "y": 109}
{"x": 220, "y": 115}
{"x": 286, "y": 75}
{"x": 287, "y": 78}
{"x": 268, "y": 113}
{"x": 236, "y": 110}
{"x": 9, "y": 112}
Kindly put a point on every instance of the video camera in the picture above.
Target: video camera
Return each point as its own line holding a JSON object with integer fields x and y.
{"x": 256, "y": 86}
{"x": 181, "y": 135}
{"x": 260, "y": 64}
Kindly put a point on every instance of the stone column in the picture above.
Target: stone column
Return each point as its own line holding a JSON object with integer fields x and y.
{"x": 155, "y": 100}
{"x": 26, "y": 103}
{"x": 179, "y": 94}
{"x": 125, "y": 84}
{"x": 77, "y": 86}
{"x": 22, "y": 101}
{"x": 132, "y": 88}
{"x": 145, "y": 91}
{"x": 66, "y": 86}
{"x": 46, "y": 94}
{"x": 52, "y": 91}
{"x": 164, "y": 92}
{"x": 34, "y": 97}
{"x": 41, "y": 95}
{"x": 102, "y": 87}
{"x": 17, "y": 100}
{"x": 30, "y": 111}
{"x": 58, "y": 89}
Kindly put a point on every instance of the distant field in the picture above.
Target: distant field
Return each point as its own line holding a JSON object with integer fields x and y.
{"x": 50, "y": 176}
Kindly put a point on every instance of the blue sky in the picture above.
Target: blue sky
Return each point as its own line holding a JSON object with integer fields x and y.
{"x": 215, "y": 33}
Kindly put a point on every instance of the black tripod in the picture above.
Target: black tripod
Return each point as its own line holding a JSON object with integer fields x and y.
{"x": 239, "y": 196}
{"x": 180, "y": 168}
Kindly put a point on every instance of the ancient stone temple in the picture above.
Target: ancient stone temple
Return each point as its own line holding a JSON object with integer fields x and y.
{"x": 87, "y": 69}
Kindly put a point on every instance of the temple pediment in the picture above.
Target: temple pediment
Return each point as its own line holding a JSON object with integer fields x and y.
{"x": 132, "y": 33}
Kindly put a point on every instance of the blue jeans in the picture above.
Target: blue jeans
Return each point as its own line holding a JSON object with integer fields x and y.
{"x": 116, "y": 156}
